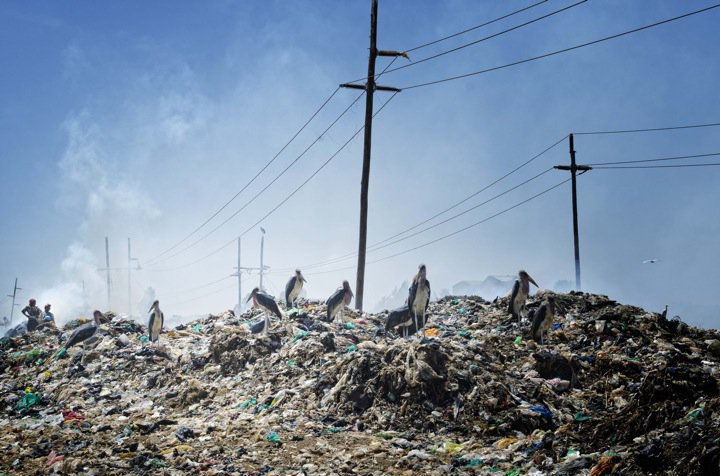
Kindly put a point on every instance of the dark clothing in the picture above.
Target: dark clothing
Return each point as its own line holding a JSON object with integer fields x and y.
{"x": 33, "y": 315}
{"x": 31, "y": 311}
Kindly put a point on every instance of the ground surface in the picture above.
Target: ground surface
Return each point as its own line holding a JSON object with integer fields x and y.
{"x": 615, "y": 390}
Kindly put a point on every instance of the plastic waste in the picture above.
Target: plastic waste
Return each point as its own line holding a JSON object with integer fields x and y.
{"x": 27, "y": 401}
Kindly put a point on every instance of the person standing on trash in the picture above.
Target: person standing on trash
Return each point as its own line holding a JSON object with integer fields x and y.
{"x": 32, "y": 312}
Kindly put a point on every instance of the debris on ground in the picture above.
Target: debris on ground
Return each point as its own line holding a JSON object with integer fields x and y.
{"x": 614, "y": 390}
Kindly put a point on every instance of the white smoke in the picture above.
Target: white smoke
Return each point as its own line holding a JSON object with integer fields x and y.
{"x": 91, "y": 183}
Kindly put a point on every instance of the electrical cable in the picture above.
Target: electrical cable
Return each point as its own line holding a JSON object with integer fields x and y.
{"x": 251, "y": 180}
{"x": 564, "y": 50}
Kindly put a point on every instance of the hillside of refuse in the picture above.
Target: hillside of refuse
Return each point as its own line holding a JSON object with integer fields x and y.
{"x": 613, "y": 390}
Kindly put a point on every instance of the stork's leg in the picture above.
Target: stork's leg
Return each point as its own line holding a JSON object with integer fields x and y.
{"x": 266, "y": 327}
{"x": 417, "y": 327}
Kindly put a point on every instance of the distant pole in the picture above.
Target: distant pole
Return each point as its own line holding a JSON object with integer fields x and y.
{"x": 370, "y": 87}
{"x": 129, "y": 280}
{"x": 240, "y": 269}
{"x": 262, "y": 245}
{"x": 573, "y": 168}
{"x": 107, "y": 266}
{"x": 239, "y": 273}
{"x": 12, "y": 308}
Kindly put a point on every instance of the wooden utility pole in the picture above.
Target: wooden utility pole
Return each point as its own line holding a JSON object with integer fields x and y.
{"x": 573, "y": 168}
{"x": 369, "y": 87}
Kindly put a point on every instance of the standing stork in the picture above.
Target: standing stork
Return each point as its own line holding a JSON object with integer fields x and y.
{"x": 520, "y": 292}
{"x": 85, "y": 331}
{"x": 156, "y": 321}
{"x": 543, "y": 319}
{"x": 419, "y": 296}
{"x": 293, "y": 288}
{"x": 337, "y": 302}
{"x": 267, "y": 305}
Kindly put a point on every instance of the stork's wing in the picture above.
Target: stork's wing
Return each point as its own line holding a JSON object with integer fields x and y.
{"x": 162, "y": 320}
{"x": 397, "y": 317}
{"x": 515, "y": 291}
{"x": 538, "y": 318}
{"x": 333, "y": 301}
{"x": 151, "y": 321}
{"x": 288, "y": 289}
{"x": 268, "y": 302}
{"x": 427, "y": 283}
{"x": 257, "y": 327}
{"x": 80, "y": 334}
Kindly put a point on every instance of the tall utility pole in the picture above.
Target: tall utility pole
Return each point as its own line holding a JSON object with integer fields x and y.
{"x": 573, "y": 168}
{"x": 129, "y": 270}
{"x": 370, "y": 87}
{"x": 12, "y": 308}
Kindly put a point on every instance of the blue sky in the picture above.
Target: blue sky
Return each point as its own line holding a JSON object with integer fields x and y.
{"x": 141, "y": 119}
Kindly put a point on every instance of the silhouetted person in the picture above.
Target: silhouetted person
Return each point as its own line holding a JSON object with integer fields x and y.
{"x": 32, "y": 312}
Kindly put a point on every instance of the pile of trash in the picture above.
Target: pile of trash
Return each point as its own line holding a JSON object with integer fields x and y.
{"x": 613, "y": 390}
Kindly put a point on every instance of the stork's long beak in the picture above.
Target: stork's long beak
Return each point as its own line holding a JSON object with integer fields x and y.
{"x": 303, "y": 279}
{"x": 533, "y": 281}
{"x": 151, "y": 308}
{"x": 249, "y": 298}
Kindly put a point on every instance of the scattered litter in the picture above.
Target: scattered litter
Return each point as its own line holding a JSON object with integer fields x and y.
{"x": 473, "y": 394}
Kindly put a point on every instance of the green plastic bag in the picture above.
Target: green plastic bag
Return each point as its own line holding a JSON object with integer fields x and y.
{"x": 28, "y": 401}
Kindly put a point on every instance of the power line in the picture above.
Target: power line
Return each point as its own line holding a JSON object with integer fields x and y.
{"x": 252, "y": 179}
{"x": 202, "y": 285}
{"x": 679, "y": 157}
{"x": 155, "y": 260}
{"x": 489, "y": 37}
{"x": 444, "y": 237}
{"x": 655, "y": 166}
{"x": 564, "y": 50}
{"x": 283, "y": 201}
{"x": 455, "y": 205}
{"x": 655, "y": 129}
{"x": 191, "y": 245}
{"x": 457, "y": 215}
{"x": 461, "y": 230}
{"x": 203, "y": 296}
{"x": 468, "y": 30}
{"x": 364, "y": 78}
{"x": 317, "y": 170}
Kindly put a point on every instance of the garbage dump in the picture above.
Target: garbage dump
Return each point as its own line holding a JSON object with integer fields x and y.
{"x": 613, "y": 390}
